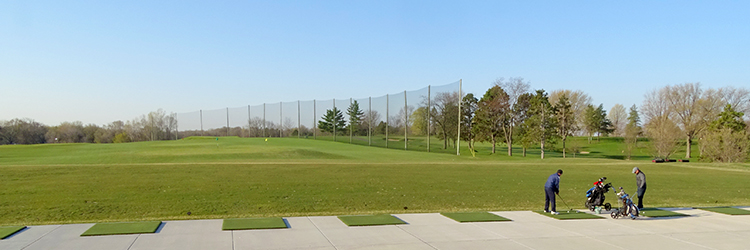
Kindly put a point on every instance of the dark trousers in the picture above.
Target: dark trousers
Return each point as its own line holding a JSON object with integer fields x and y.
{"x": 641, "y": 192}
{"x": 549, "y": 198}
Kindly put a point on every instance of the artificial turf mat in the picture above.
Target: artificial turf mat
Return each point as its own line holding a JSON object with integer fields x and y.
{"x": 370, "y": 220}
{"x": 123, "y": 228}
{"x": 570, "y": 216}
{"x": 253, "y": 223}
{"x": 655, "y": 212}
{"x": 474, "y": 217}
{"x": 5, "y": 232}
{"x": 727, "y": 210}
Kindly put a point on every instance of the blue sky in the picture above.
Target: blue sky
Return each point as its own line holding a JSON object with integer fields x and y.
{"x": 101, "y": 61}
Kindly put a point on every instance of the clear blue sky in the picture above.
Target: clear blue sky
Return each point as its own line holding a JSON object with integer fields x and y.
{"x": 101, "y": 61}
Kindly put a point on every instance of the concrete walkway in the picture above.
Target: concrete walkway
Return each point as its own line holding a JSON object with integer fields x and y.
{"x": 528, "y": 230}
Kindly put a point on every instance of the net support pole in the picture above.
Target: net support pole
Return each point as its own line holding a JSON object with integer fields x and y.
{"x": 429, "y": 128}
{"x": 335, "y": 121}
{"x": 201, "y": 111}
{"x": 227, "y": 121}
{"x": 315, "y": 124}
{"x": 249, "y": 124}
{"x": 458, "y": 139}
{"x": 406, "y": 123}
{"x": 350, "y": 122}
{"x": 369, "y": 122}
{"x": 299, "y": 121}
{"x": 264, "y": 120}
{"x": 281, "y": 117}
{"x": 387, "y": 119}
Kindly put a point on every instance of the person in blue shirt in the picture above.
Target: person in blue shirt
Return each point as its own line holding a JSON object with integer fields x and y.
{"x": 551, "y": 188}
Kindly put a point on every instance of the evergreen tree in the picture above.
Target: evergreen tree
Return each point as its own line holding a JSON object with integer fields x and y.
{"x": 355, "y": 117}
{"x": 541, "y": 125}
{"x": 332, "y": 121}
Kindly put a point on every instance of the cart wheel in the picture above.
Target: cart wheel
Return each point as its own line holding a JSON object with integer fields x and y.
{"x": 608, "y": 206}
{"x": 614, "y": 215}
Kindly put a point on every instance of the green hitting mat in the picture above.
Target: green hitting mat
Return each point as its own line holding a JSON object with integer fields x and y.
{"x": 655, "y": 212}
{"x": 370, "y": 220}
{"x": 727, "y": 210}
{"x": 572, "y": 215}
{"x": 5, "y": 232}
{"x": 123, "y": 228}
{"x": 474, "y": 217}
{"x": 253, "y": 223}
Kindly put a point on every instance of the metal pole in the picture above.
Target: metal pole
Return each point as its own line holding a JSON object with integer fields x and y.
{"x": 281, "y": 116}
{"x": 248, "y": 121}
{"x": 315, "y": 124}
{"x": 227, "y": 121}
{"x": 369, "y": 123}
{"x": 350, "y": 121}
{"x": 387, "y": 109}
{"x": 334, "y": 119}
{"x": 201, "y": 122}
{"x": 429, "y": 128}
{"x": 264, "y": 120}
{"x": 406, "y": 122}
{"x": 458, "y": 140}
{"x": 299, "y": 124}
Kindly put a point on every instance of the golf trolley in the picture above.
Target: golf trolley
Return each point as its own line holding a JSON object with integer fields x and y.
{"x": 595, "y": 196}
{"x": 628, "y": 207}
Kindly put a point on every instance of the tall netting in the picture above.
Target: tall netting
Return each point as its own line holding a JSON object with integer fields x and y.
{"x": 425, "y": 120}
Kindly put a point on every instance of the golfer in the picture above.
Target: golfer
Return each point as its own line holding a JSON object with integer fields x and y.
{"x": 551, "y": 188}
{"x": 640, "y": 179}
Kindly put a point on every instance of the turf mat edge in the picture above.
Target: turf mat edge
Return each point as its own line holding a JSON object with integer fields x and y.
{"x": 254, "y": 223}
{"x": 570, "y": 216}
{"x": 115, "y": 228}
{"x": 656, "y": 212}
{"x": 726, "y": 210}
{"x": 370, "y": 220}
{"x": 474, "y": 217}
{"x": 6, "y": 232}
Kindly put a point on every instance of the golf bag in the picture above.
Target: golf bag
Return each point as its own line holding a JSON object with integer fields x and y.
{"x": 595, "y": 196}
{"x": 628, "y": 207}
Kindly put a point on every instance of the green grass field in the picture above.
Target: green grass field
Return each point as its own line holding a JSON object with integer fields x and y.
{"x": 249, "y": 177}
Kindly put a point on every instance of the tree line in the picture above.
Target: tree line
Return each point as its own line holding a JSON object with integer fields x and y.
{"x": 508, "y": 113}
{"x": 156, "y": 125}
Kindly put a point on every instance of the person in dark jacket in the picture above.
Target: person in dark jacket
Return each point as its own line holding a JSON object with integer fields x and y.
{"x": 551, "y": 188}
{"x": 640, "y": 180}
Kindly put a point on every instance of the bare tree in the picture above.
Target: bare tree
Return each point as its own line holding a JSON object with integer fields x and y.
{"x": 685, "y": 102}
{"x": 619, "y": 118}
{"x": 445, "y": 115}
{"x": 664, "y": 135}
{"x": 514, "y": 87}
{"x": 739, "y": 98}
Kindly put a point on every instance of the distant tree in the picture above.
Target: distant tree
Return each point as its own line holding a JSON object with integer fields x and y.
{"x": 371, "y": 120}
{"x": 523, "y": 104}
{"x": 22, "y": 131}
{"x": 664, "y": 135}
{"x": 355, "y": 117}
{"x": 591, "y": 121}
{"x": 332, "y": 121}
{"x": 468, "y": 109}
{"x": 578, "y": 102}
{"x": 419, "y": 121}
{"x": 445, "y": 116}
{"x": 726, "y": 139}
{"x": 632, "y": 131}
{"x": 566, "y": 120}
{"x": 541, "y": 124}
{"x": 618, "y": 116}
{"x": 491, "y": 110}
{"x": 515, "y": 88}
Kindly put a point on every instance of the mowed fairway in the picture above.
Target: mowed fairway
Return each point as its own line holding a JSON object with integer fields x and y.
{"x": 249, "y": 177}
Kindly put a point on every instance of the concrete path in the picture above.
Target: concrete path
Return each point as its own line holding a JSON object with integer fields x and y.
{"x": 528, "y": 230}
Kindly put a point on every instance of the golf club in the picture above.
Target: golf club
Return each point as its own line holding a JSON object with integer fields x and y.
{"x": 566, "y": 204}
